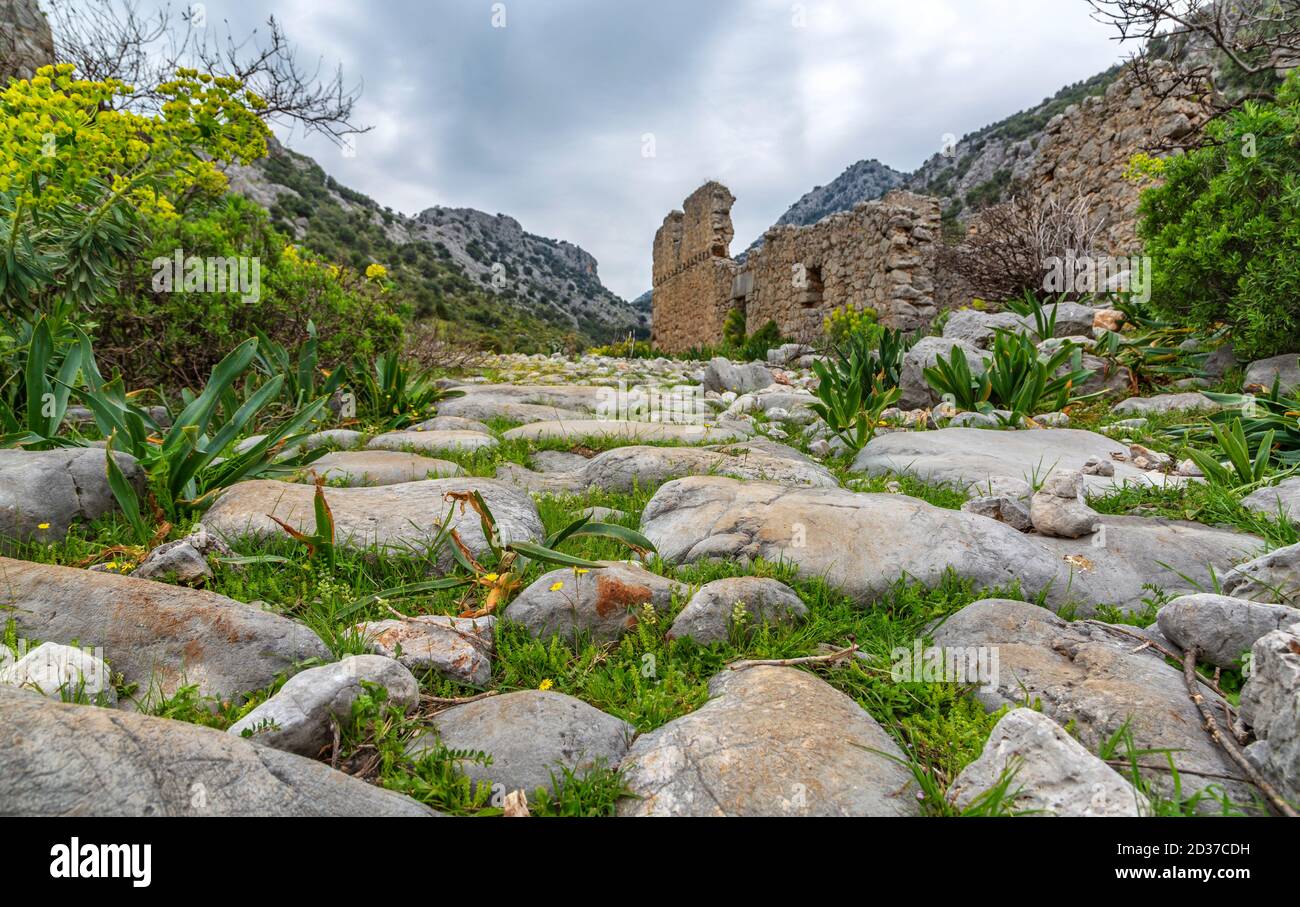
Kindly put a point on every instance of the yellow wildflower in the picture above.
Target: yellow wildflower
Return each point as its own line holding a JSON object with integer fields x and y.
{"x": 557, "y": 586}
{"x": 546, "y": 684}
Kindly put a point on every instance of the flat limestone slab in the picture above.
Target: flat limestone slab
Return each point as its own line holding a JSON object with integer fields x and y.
{"x": 626, "y": 468}
{"x": 615, "y": 428}
{"x": 970, "y": 457}
{"x": 58, "y": 759}
{"x": 860, "y": 543}
{"x": 433, "y": 441}
{"x": 1116, "y": 565}
{"x": 158, "y": 636}
{"x": 379, "y": 467}
{"x": 1278, "y": 501}
{"x": 525, "y": 403}
{"x": 396, "y": 518}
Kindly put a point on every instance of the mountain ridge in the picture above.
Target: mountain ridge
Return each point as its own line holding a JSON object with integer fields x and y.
{"x": 460, "y": 264}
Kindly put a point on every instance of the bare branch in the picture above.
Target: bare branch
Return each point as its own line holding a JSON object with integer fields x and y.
{"x": 1225, "y": 51}
{"x": 114, "y": 39}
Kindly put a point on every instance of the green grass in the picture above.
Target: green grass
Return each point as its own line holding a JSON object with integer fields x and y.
{"x": 645, "y": 678}
{"x": 1198, "y": 502}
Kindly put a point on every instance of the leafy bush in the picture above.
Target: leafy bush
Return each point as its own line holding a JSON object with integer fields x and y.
{"x": 1223, "y": 229}
{"x": 78, "y": 173}
{"x": 733, "y": 327}
{"x": 175, "y": 337}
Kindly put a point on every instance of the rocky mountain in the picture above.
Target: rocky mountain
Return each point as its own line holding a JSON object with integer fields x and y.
{"x": 459, "y": 264}
{"x": 980, "y": 168}
{"x": 863, "y": 181}
{"x": 977, "y": 171}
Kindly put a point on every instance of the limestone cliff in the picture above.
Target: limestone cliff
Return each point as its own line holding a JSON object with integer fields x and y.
{"x": 25, "y": 39}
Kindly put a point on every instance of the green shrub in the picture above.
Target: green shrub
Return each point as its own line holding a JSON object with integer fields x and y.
{"x": 1224, "y": 228}
{"x": 175, "y": 338}
{"x": 847, "y": 320}
{"x": 733, "y": 327}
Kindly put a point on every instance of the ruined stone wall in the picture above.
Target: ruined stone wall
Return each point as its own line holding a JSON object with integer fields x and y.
{"x": 1085, "y": 151}
{"x": 881, "y": 255}
{"x": 25, "y": 40}
{"x": 693, "y": 272}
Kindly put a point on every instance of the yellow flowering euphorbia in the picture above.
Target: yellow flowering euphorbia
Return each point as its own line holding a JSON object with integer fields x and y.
{"x": 70, "y": 141}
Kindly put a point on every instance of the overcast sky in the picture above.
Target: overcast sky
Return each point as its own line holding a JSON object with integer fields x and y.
{"x": 588, "y": 120}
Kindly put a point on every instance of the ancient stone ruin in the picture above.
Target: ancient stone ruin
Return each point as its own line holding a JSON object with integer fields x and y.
{"x": 884, "y": 255}
{"x": 881, "y": 255}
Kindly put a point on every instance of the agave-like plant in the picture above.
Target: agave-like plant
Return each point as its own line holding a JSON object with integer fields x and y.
{"x": 181, "y": 459}
{"x": 35, "y": 395}
{"x": 500, "y": 572}
{"x": 394, "y": 395}
{"x": 1016, "y": 377}
{"x": 859, "y": 382}
{"x": 300, "y": 370}
{"x": 1244, "y": 469}
{"x": 1270, "y": 415}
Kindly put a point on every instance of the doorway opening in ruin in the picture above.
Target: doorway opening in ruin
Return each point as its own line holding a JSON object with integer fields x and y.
{"x": 810, "y": 294}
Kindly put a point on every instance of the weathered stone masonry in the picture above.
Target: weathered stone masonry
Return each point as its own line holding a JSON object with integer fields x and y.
{"x": 884, "y": 254}
{"x": 881, "y": 255}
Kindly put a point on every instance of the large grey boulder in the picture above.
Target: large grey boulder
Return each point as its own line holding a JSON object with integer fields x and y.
{"x": 620, "y": 429}
{"x": 458, "y": 648}
{"x": 1162, "y": 404}
{"x": 979, "y": 328}
{"x": 1073, "y": 319}
{"x": 1222, "y": 629}
{"x": 971, "y": 457}
{"x": 299, "y": 717}
{"x": 860, "y": 543}
{"x": 916, "y": 390}
{"x": 739, "y": 604}
{"x": 626, "y": 468}
{"x": 1128, "y": 554}
{"x": 1053, "y": 774}
{"x": 157, "y": 636}
{"x": 532, "y": 736}
{"x": 1284, "y": 369}
{"x": 397, "y": 518}
{"x": 1280, "y": 501}
{"x": 1096, "y": 681}
{"x": 1270, "y": 704}
{"x": 723, "y": 375}
{"x": 601, "y": 604}
{"x": 56, "y": 488}
{"x": 769, "y": 742}
{"x": 1272, "y": 578}
{"x": 379, "y": 467}
{"x": 75, "y": 760}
